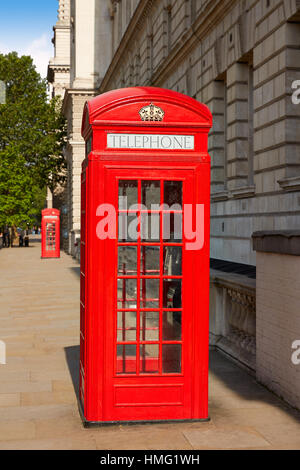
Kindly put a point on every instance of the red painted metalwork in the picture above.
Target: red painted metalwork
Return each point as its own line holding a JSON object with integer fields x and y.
{"x": 50, "y": 233}
{"x": 144, "y": 301}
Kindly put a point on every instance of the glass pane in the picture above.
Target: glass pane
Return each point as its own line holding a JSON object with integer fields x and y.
{"x": 127, "y": 260}
{"x": 127, "y": 290}
{"x": 172, "y": 227}
{"x": 126, "y": 359}
{"x": 171, "y": 293}
{"x": 149, "y": 293}
{"x": 128, "y": 194}
{"x": 171, "y": 358}
{"x": 149, "y": 326}
{"x": 150, "y": 193}
{"x": 150, "y": 260}
{"x": 150, "y": 227}
{"x": 173, "y": 192}
{"x": 126, "y": 326}
{"x": 50, "y": 236}
{"x": 172, "y": 260}
{"x": 128, "y": 227}
{"x": 171, "y": 326}
{"x": 149, "y": 354}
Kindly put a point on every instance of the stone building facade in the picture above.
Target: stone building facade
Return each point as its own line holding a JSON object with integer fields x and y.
{"x": 242, "y": 59}
{"x": 59, "y": 65}
{"x": 59, "y": 79}
{"x": 81, "y": 35}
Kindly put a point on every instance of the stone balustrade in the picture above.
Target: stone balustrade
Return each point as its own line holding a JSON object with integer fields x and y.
{"x": 233, "y": 316}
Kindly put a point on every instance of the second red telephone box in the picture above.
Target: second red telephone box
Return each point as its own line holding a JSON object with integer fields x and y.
{"x": 144, "y": 257}
{"x": 50, "y": 233}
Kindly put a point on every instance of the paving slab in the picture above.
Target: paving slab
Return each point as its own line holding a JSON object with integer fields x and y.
{"x": 226, "y": 438}
{"x": 39, "y": 321}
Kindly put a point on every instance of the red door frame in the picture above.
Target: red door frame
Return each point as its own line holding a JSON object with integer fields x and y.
{"x": 166, "y": 385}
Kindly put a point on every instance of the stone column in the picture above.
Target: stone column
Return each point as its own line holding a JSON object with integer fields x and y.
{"x": 216, "y": 101}
{"x": 291, "y": 61}
{"x": 276, "y": 61}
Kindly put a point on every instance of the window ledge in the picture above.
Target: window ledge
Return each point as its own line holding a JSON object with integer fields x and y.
{"x": 290, "y": 184}
{"x": 219, "y": 196}
{"x": 244, "y": 191}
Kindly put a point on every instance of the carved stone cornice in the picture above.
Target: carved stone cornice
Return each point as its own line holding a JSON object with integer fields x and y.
{"x": 243, "y": 191}
{"x": 61, "y": 26}
{"x": 56, "y": 68}
{"x": 290, "y": 184}
{"x": 59, "y": 67}
{"x": 70, "y": 92}
{"x": 284, "y": 242}
{"x": 219, "y": 196}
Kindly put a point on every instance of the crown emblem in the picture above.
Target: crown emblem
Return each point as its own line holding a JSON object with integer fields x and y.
{"x": 151, "y": 113}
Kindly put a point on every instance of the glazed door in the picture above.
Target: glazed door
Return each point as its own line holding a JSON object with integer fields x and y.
{"x": 148, "y": 297}
{"x": 50, "y": 236}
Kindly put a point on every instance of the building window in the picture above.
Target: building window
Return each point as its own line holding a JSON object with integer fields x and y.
{"x": 192, "y": 12}
{"x": 225, "y": 100}
{"x": 128, "y": 11}
{"x": 149, "y": 50}
{"x": 137, "y": 69}
{"x": 119, "y": 16}
{"x": 250, "y": 127}
{"x": 189, "y": 78}
{"x": 169, "y": 29}
{"x": 167, "y": 25}
{"x": 218, "y": 139}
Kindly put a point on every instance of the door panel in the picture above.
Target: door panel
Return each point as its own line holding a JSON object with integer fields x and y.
{"x": 148, "y": 336}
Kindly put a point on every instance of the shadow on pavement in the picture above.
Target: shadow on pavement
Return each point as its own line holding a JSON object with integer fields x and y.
{"x": 242, "y": 384}
{"x": 75, "y": 270}
{"x": 72, "y": 357}
{"x": 222, "y": 370}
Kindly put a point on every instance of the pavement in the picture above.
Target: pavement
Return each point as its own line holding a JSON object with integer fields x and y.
{"x": 39, "y": 322}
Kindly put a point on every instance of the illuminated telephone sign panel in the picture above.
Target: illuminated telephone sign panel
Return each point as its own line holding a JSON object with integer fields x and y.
{"x": 50, "y": 233}
{"x": 144, "y": 292}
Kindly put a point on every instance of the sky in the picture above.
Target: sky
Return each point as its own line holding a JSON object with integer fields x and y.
{"x": 26, "y": 27}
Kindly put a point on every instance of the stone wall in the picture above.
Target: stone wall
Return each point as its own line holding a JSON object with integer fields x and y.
{"x": 278, "y": 312}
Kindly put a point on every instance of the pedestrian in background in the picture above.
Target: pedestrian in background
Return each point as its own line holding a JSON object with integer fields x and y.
{"x": 26, "y": 238}
{"x": 6, "y": 238}
{"x": 21, "y": 237}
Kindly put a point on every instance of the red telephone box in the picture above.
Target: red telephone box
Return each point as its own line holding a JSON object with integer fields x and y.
{"x": 145, "y": 196}
{"x": 50, "y": 233}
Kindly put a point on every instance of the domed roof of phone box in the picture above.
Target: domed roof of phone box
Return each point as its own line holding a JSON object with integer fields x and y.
{"x": 124, "y": 105}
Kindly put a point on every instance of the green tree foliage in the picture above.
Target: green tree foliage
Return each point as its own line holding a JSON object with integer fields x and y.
{"x": 32, "y": 137}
